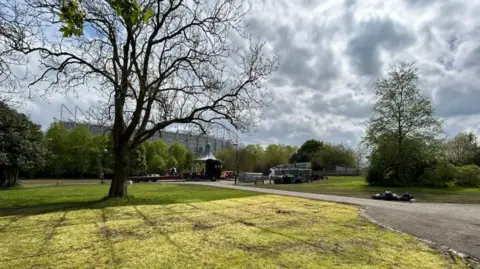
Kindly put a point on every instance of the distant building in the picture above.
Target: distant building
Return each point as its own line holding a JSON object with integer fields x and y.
{"x": 195, "y": 143}
{"x": 338, "y": 168}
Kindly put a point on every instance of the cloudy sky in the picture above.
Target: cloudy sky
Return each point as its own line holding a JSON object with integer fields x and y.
{"x": 331, "y": 53}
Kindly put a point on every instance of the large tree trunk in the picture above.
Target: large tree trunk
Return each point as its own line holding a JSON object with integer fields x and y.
{"x": 8, "y": 177}
{"x": 118, "y": 188}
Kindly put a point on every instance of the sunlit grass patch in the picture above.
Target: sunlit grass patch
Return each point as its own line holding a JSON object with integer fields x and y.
{"x": 119, "y": 213}
{"x": 20, "y": 243}
{"x": 253, "y": 232}
{"x": 77, "y": 217}
{"x": 67, "y": 238}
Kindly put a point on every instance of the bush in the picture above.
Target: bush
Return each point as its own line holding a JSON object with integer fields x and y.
{"x": 438, "y": 175}
{"x": 468, "y": 175}
{"x": 375, "y": 177}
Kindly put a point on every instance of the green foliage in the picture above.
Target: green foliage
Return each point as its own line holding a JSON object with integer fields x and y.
{"x": 101, "y": 155}
{"x": 332, "y": 155}
{"x": 308, "y": 151}
{"x": 138, "y": 161}
{"x": 172, "y": 162}
{"x": 157, "y": 156}
{"x": 189, "y": 163}
{"x": 72, "y": 14}
{"x": 21, "y": 145}
{"x": 228, "y": 157}
{"x": 57, "y": 142}
{"x": 179, "y": 153}
{"x": 413, "y": 159}
{"x": 276, "y": 154}
{"x": 468, "y": 175}
{"x": 157, "y": 165}
{"x": 81, "y": 147}
{"x": 255, "y": 157}
{"x": 462, "y": 149}
{"x": 476, "y": 158}
{"x": 438, "y": 175}
{"x": 259, "y": 159}
{"x": 323, "y": 155}
{"x": 403, "y": 130}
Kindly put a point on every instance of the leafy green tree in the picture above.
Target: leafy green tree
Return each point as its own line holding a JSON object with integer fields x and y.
{"x": 179, "y": 152}
{"x": 333, "y": 155}
{"x": 255, "y": 157}
{"x": 156, "y": 147}
{"x": 156, "y": 156}
{"x": 468, "y": 175}
{"x": 308, "y": 151}
{"x": 189, "y": 160}
{"x": 138, "y": 165}
{"x": 157, "y": 165}
{"x": 476, "y": 158}
{"x": 401, "y": 113}
{"x": 21, "y": 145}
{"x": 57, "y": 143}
{"x": 384, "y": 160}
{"x": 276, "y": 154}
{"x": 461, "y": 149}
{"x": 171, "y": 162}
{"x": 81, "y": 147}
{"x": 101, "y": 158}
{"x": 227, "y": 156}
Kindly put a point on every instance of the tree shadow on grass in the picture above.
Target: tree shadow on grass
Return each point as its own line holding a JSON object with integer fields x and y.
{"x": 72, "y": 206}
{"x": 44, "y": 208}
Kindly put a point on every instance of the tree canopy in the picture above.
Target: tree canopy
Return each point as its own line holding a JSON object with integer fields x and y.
{"x": 403, "y": 131}
{"x": 21, "y": 145}
{"x": 462, "y": 149}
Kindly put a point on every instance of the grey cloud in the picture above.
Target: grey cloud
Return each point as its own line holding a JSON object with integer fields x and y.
{"x": 420, "y": 3}
{"x": 341, "y": 105}
{"x": 349, "y": 3}
{"x": 457, "y": 99}
{"x": 294, "y": 65}
{"x": 472, "y": 59}
{"x": 291, "y": 133}
{"x": 259, "y": 28}
{"x": 300, "y": 66}
{"x": 364, "y": 48}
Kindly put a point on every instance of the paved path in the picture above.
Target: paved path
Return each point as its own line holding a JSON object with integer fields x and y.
{"x": 454, "y": 225}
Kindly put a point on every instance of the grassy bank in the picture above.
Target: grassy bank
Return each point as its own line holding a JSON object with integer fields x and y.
{"x": 186, "y": 226}
{"x": 357, "y": 187}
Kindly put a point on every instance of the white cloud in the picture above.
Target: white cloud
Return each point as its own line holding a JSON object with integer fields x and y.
{"x": 332, "y": 51}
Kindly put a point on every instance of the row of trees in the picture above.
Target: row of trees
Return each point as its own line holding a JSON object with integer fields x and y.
{"x": 77, "y": 152}
{"x": 260, "y": 159}
{"x": 59, "y": 152}
{"x": 406, "y": 138}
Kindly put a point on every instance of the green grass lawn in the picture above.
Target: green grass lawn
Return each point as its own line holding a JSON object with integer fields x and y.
{"x": 42, "y": 198}
{"x": 357, "y": 187}
{"x": 190, "y": 226}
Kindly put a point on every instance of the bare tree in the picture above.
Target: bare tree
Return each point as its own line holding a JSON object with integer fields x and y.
{"x": 9, "y": 87}
{"x": 179, "y": 66}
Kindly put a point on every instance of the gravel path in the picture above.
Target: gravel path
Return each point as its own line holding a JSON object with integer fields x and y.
{"x": 454, "y": 225}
